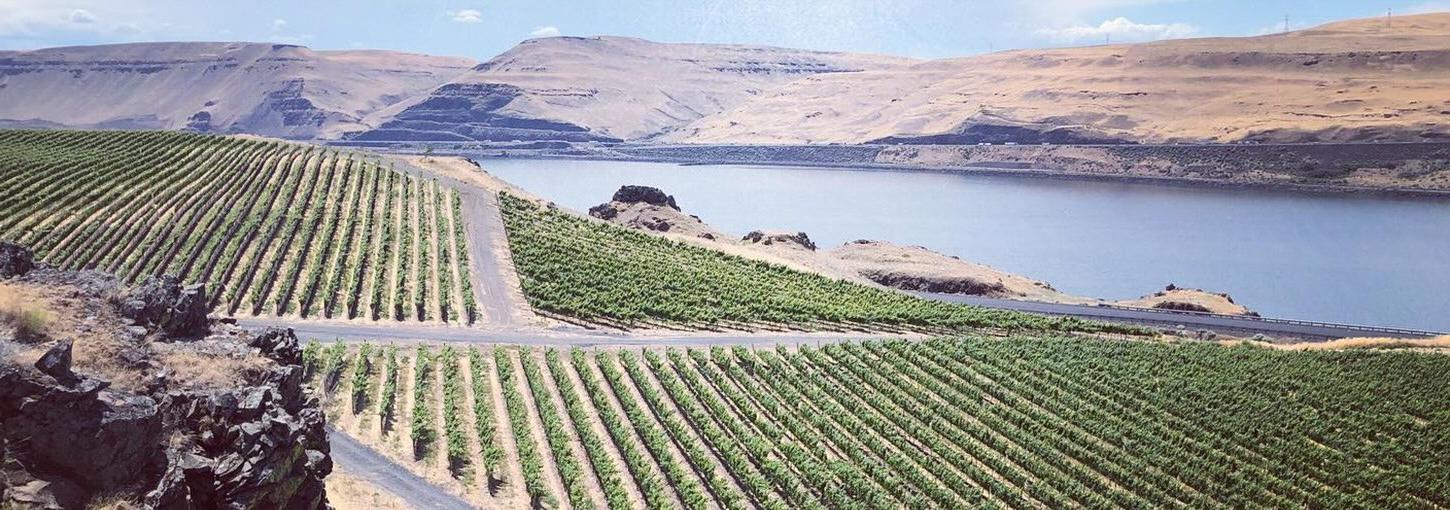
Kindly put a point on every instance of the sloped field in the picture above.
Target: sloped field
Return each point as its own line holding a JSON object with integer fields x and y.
{"x": 599, "y": 273}
{"x": 272, "y": 228}
{"x": 950, "y": 423}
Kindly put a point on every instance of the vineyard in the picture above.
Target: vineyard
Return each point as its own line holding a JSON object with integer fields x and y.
{"x": 951, "y": 423}
{"x": 598, "y": 273}
{"x": 272, "y": 228}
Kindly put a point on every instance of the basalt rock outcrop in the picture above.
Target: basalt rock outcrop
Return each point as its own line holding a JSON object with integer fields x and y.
{"x": 257, "y": 446}
{"x": 164, "y": 303}
{"x": 253, "y": 437}
{"x": 15, "y": 260}
{"x": 798, "y": 239}
{"x": 67, "y": 438}
{"x": 631, "y": 194}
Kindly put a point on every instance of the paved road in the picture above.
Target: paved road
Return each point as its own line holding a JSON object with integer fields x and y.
{"x": 373, "y": 467}
{"x": 1192, "y": 321}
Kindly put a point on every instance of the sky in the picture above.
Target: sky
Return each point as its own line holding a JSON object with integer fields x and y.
{"x": 481, "y": 29}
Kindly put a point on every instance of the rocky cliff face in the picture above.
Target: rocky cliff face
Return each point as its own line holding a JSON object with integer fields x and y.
{"x": 603, "y": 89}
{"x": 265, "y": 89}
{"x": 216, "y": 419}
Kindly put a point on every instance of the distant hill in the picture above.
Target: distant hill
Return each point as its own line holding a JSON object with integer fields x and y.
{"x": 605, "y": 88}
{"x": 1362, "y": 80}
{"x": 266, "y": 89}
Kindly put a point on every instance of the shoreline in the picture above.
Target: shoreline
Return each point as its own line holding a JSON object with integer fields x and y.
{"x": 1006, "y": 169}
{"x": 1192, "y": 182}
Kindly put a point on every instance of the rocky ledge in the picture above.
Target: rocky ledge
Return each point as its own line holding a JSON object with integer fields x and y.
{"x": 246, "y": 438}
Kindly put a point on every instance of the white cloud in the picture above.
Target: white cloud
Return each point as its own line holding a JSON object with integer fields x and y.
{"x": 26, "y": 18}
{"x": 466, "y": 16}
{"x": 1120, "y": 29}
{"x": 278, "y": 24}
{"x": 548, "y": 31}
{"x": 1076, "y": 11}
{"x": 82, "y": 16}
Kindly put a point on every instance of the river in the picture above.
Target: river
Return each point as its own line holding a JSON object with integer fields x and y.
{"x": 1361, "y": 259}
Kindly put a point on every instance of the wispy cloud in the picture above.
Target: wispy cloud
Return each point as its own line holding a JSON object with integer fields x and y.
{"x": 280, "y": 34}
{"x": 546, "y": 31}
{"x": 28, "y": 18}
{"x": 1427, "y": 7}
{"x": 466, "y": 16}
{"x": 1120, "y": 29}
{"x": 82, "y": 16}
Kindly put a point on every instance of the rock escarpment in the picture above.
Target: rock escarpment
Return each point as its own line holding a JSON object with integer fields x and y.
{"x": 68, "y": 439}
{"x": 649, "y": 208}
{"x": 201, "y": 415}
{"x": 162, "y": 302}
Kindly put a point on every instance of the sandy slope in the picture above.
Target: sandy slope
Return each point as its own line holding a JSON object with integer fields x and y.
{"x": 266, "y": 89}
{"x": 912, "y": 268}
{"x": 1348, "y": 81}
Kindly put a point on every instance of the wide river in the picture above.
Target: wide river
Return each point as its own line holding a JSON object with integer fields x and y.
{"x": 1337, "y": 258}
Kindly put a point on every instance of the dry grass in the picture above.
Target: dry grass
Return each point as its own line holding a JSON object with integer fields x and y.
{"x": 115, "y": 502}
{"x": 347, "y": 492}
{"x": 1439, "y": 342}
{"x": 199, "y": 370}
{"x": 28, "y": 318}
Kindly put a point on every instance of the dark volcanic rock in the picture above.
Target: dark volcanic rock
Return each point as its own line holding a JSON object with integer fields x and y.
{"x": 15, "y": 260}
{"x": 768, "y": 238}
{"x": 279, "y": 344}
{"x": 604, "y": 212}
{"x": 262, "y": 444}
{"x": 56, "y": 362}
{"x": 99, "y": 440}
{"x": 161, "y": 302}
{"x": 631, "y": 194}
{"x": 1182, "y": 306}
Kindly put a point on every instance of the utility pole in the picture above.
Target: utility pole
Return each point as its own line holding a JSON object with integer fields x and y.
{"x": 1286, "y": 23}
{"x": 1389, "y": 17}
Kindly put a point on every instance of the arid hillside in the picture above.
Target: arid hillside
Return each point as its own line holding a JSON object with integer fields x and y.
{"x": 265, "y": 89}
{"x": 1362, "y": 80}
{"x": 604, "y": 88}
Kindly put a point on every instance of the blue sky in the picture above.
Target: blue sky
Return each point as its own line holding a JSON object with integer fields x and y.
{"x": 483, "y": 28}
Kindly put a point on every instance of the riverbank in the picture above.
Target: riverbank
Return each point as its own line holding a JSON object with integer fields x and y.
{"x": 1393, "y": 169}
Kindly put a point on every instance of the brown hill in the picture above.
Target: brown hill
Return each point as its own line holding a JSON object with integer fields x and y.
{"x": 1362, "y": 80}
{"x": 265, "y": 89}
{"x": 604, "y": 88}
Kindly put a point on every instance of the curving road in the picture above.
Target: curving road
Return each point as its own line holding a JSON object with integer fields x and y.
{"x": 382, "y": 472}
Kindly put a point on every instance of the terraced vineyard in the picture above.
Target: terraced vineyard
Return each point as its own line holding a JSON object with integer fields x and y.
{"x": 598, "y": 273}
{"x": 273, "y": 228}
{"x": 950, "y": 423}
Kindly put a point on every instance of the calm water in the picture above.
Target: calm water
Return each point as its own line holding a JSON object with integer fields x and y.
{"x": 1356, "y": 259}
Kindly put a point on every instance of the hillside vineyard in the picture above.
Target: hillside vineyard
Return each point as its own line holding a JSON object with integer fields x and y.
{"x": 604, "y": 274}
{"x": 272, "y": 228}
{"x": 951, "y": 423}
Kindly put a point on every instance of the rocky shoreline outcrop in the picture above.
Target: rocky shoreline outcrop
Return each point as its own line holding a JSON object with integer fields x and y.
{"x": 70, "y": 439}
